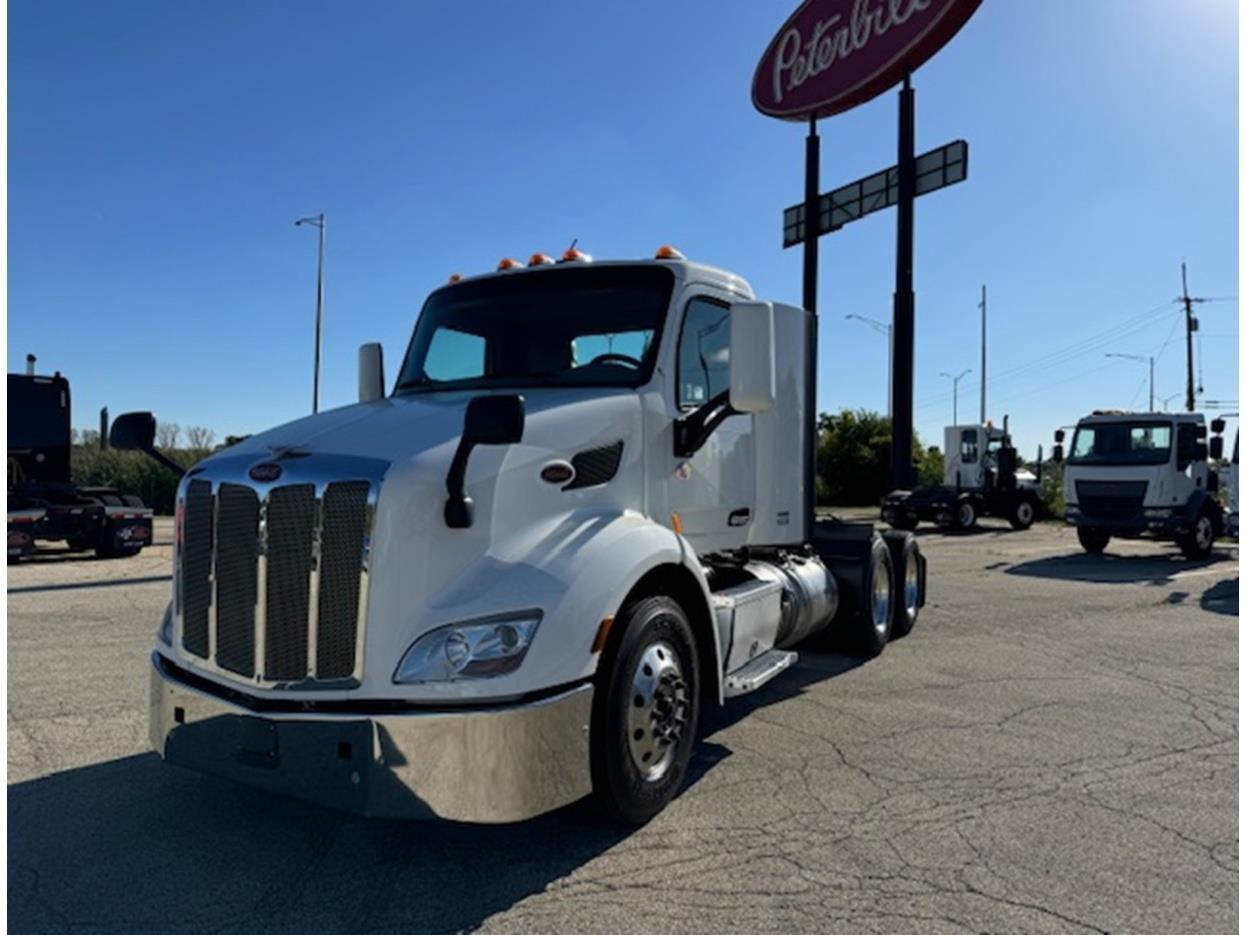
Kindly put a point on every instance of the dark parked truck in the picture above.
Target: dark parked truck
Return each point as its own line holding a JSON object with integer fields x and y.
{"x": 1132, "y": 474}
{"x": 578, "y": 515}
{"x": 980, "y": 478}
{"x": 44, "y": 504}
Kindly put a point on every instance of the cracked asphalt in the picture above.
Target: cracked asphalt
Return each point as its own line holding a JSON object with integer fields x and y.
{"x": 1053, "y": 749}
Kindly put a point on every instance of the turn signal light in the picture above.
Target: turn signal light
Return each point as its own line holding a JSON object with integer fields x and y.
{"x": 573, "y": 255}
{"x": 540, "y": 259}
{"x": 508, "y": 263}
{"x": 667, "y": 252}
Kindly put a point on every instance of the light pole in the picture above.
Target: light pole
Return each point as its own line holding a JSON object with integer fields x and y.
{"x": 882, "y": 328}
{"x": 955, "y": 389}
{"x": 1167, "y": 399}
{"x": 1150, "y": 362}
{"x": 317, "y": 222}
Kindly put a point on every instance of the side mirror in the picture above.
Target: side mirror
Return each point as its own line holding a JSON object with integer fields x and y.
{"x": 1217, "y": 425}
{"x": 1057, "y": 453}
{"x": 1216, "y": 448}
{"x": 489, "y": 420}
{"x": 1059, "y": 435}
{"x": 752, "y": 356}
{"x": 371, "y": 373}
{"x": 134, "y": 431}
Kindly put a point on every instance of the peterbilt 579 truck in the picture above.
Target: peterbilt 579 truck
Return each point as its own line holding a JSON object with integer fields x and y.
{"x": 980, "y": 478}
{"x": 582, "y": 512}
{"x": 1133, "y": 474}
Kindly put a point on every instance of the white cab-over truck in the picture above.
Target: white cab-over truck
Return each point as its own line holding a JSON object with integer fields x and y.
{"x": 1132, "y": 474}
{"x": 980, "y": 478}
{"x": 580, "y": 514}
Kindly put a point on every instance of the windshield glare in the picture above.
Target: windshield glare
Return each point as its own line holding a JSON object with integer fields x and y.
{"x": 561, "y": 327}
{"x": 1122, "y": 443}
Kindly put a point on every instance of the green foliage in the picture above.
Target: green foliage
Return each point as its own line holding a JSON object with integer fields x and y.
{"x": 854, "y": 458}
{"x": 132, "y": 472}
{"x": 1053, "y": 489}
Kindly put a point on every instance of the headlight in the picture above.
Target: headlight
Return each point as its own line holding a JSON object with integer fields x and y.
{"x": 477, "y": 650}
{"x": 166, "y": 627}
{"x": 1156, "y": 514}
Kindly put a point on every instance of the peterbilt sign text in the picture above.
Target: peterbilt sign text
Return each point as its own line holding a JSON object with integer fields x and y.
{"x": 834, "y": 54}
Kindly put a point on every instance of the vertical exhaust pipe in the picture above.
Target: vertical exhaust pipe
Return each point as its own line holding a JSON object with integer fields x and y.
{"x": 30, "y": 365}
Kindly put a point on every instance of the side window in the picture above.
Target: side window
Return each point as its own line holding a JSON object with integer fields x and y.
{"x": 968, "y": 446}
{"x": 455, "y": 355}
{"x": 1187, "y": 445}
{"x": 704, "y": 368}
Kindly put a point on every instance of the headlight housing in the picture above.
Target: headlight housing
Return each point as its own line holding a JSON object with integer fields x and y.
{"x": 165, "y": 633}
{"x": 475, "y": 649}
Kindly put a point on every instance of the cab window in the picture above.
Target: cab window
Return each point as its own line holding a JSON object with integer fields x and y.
{"x": 968, "y": 447}
{"x": 704, "y": 368}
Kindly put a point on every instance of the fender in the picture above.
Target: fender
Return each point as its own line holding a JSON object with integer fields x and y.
{"x": 1200, "y": 499}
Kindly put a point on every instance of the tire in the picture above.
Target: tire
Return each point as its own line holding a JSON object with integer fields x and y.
{"x": 1197, "y": 543}
{"x": 1022, "y": 514}
{"x": 906, "y": 583}
{"x": 1093, "y": 540}
{"x": 639, "y": 753}
{"x": 966, "y": 515}
{"x": 871, "y": 624}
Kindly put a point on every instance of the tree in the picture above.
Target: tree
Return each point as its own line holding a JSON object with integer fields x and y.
{"x": 854, "y": 458}
{"x": 167, "y": 434}
{"x": 199, "y": 438}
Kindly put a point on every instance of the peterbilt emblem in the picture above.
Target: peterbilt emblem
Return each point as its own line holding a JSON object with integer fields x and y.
{"x": 265, "y": 473}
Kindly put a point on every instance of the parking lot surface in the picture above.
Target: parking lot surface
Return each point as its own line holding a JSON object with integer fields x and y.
{"x": 1053, "y": 749}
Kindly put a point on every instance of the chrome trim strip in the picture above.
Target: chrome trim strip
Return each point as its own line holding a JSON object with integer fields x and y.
{"x": 216, "y": 527}
{"x": 313, "y": 588}
{"x": 261, "y": 590}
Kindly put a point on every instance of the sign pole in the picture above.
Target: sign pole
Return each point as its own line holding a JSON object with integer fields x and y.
{"x": 903, "y": 327}
{"x": 810, "y": 299}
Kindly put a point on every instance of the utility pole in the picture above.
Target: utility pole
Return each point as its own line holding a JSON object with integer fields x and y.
{"x": 1191, "y": 325}
{"x": 904, "y": 300}
{"x": 317, "y": 222}
{"x": 982, "y": 372}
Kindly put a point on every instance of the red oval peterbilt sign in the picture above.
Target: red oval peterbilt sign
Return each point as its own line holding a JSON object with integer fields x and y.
{"x": 832, "y": 55}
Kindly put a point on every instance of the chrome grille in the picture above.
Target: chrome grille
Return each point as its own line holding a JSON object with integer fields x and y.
{"x": 271, "y": 578}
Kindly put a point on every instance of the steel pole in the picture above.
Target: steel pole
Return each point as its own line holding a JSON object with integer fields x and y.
{"x": 1151, "y": 396}
{"x": 319, "y": 315}
{"x": 809, "y": 296}
{"x": 982, "y": 372}
{"x": 1189, "y": 344}
{"x": 902, "y": 352}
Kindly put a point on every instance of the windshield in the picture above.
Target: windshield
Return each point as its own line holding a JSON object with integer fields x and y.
{"x": 576, "y": 326}
{"x": 1122, "y": 443}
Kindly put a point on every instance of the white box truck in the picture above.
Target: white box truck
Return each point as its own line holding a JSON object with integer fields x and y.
{"x": 512, "y": 581}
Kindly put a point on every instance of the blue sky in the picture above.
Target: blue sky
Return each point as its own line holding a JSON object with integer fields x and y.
{"x": 160, "y": 152}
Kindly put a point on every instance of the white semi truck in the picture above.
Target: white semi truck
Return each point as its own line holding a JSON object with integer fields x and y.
{"x": 1132, "y": 474}
{"x": 980, "y": 478}
{"x": 583, "y": 511}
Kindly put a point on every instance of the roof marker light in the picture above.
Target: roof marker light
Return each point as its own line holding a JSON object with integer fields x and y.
{"x": 540, "y": 259}
{"x": 667, "y": 252}
{"x": 455, "y": 277}
{"x": 508, "y": 263}
{"x": 573, "y": 255}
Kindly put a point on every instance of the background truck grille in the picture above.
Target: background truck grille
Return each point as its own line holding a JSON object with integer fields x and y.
{"x": 1110, "y": 500}
{"x": 274, "y": 580}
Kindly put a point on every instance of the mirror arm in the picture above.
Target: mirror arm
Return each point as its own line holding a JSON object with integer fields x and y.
{"x": 693, "y": 431}
{"x": 165, "y": 460}
{"x": 458, "y": 512}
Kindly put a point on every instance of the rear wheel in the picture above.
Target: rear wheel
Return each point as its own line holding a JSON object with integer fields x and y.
{"x": 966, "y": 514}
{"x": 1021, "y": 516}
{"x": 1093, "y": 540}
{"x": 906, "y": 592}
{"x": 872, "y": 624}
{"x": 644, "y": 711}
{"x": 1197, "y": 543}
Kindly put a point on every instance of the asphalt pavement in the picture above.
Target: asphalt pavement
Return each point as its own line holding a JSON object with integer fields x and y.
{"x": 1053, "y": 749}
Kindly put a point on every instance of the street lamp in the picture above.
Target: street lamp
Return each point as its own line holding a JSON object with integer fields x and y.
{"x": 1150, "y": 362}
{"x": 955, "y": 389}
{"x": 1164, "y": 402}
{"x": 317, "y": 222}
{"x": 882, "y": 328}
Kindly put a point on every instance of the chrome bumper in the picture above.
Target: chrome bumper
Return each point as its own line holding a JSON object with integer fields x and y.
{"x": 499, "y": 764}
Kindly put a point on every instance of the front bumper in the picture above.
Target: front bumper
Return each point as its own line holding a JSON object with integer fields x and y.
{"x": 497, "y": 764}
{"x": 1163, "y": 523}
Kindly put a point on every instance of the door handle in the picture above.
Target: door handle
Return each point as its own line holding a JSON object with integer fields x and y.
{"x": 739, "y": 517}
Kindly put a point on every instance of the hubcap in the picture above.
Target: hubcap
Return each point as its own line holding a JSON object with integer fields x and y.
{"x": 1025, "y": 512}
{"x": 1202, "y": 532}
{"x": 882, "y": 598}
{"x": 910, "y": 588}
{"x": 657, "y": 710}
{"x": 966, "y": 515}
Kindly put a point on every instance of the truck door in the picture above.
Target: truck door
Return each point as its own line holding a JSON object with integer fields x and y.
{"x": 969, "y": 471}
{"x": 714, "y": 490}
{"x": 1191, "y": 461}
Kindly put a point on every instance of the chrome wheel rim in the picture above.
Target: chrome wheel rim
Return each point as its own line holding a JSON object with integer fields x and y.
{"x": 657, "y": 710}
{"x": 881, "y": 609}
{"x": 966, "y": 515}
{"x": 1202, "y": 532}
{"x": 1025, "y": 513}
{"x": 910, "y": 587}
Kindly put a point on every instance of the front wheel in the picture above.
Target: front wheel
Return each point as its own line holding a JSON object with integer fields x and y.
{"x": 644, "y": 711}
{"x": 1022, "y": 514}
{"x": 966, "y": 515}
{"x": 1093, "y": 540}
{"x": 1196, "y": 544}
